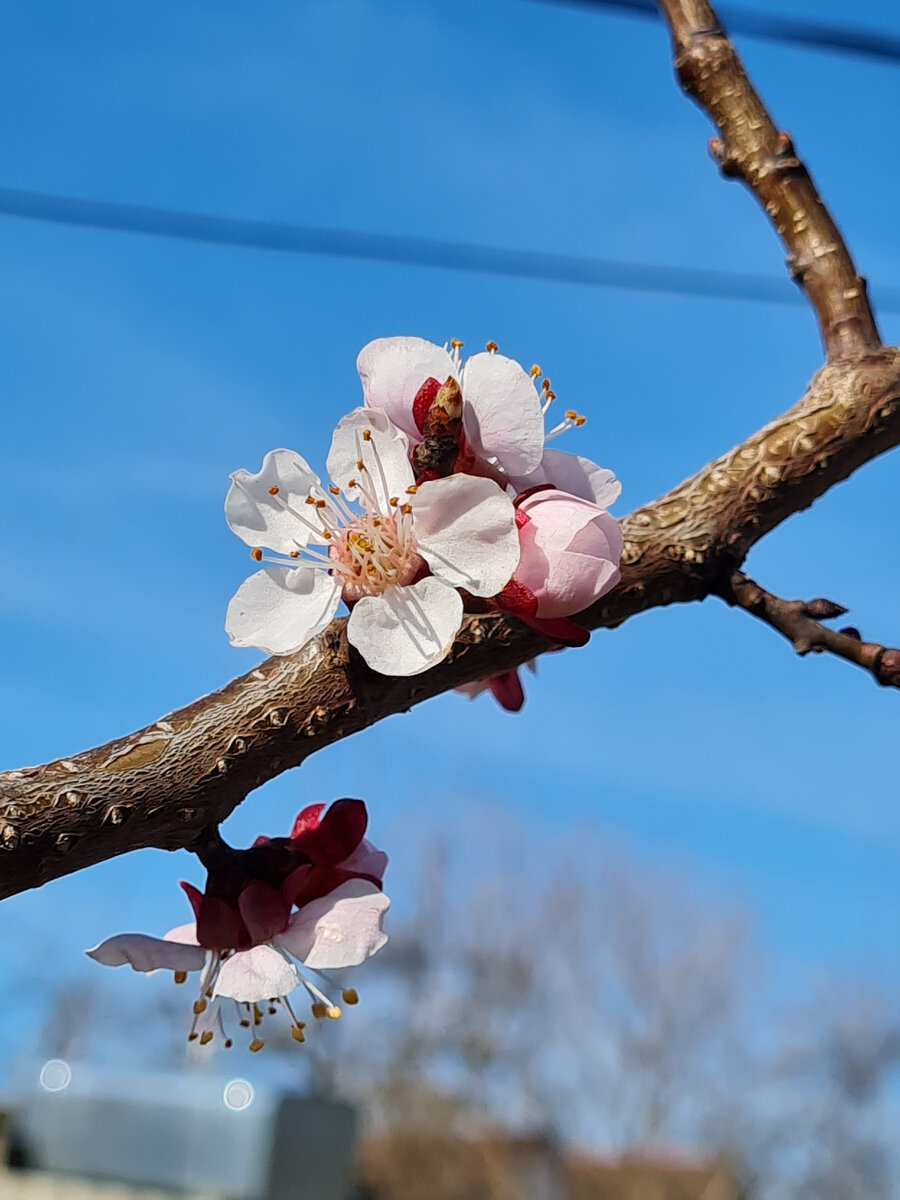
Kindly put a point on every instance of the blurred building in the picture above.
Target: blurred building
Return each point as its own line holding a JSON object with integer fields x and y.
{"x": 82, "y": 1133}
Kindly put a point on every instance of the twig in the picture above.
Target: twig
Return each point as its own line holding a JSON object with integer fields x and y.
{"x": 750, "y": 147}
{"x": 800, "y": 621}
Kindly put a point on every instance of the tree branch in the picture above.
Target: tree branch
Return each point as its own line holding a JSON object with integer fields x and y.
{"x": 750, "y": 147}
{"x": 798, "y": 621}
{"x": 167, "y": 784}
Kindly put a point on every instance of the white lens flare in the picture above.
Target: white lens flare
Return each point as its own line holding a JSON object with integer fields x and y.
{"x": 55, "y": 1076}
{"x": 238, "y": 1095}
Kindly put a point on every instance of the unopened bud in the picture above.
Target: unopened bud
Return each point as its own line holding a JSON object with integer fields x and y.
{"x": 851, "y": 631}
{"x": 823, "y": 610}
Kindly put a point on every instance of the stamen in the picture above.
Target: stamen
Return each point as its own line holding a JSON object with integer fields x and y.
{"x": 181, "y": 976}
{"x": 199, "y": 1006}
{"x": 411, "y": 490}
{"x": 456, "y": 343}
{"x": 350, "y": 996}
{"x": 256, "y": 1045}
{"x": 256, "y": 554}
{"x": 535, "y": 371}
{"x": 367, "y": 435}
{"x": 273, "y": 491}
{"x": 206, "y": 1037}
{"x": 319, "y": 1010}
{"x": 492, "y": 347}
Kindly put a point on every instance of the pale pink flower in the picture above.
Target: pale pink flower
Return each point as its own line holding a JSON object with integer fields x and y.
{"x": 397, "y": 559}
{"x": 503, "y": 414}
{"x": 339, "y": 930}
{"x": 570, "y": 552}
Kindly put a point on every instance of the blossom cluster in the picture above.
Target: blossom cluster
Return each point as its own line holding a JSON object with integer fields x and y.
{"x": 269, "y": 921}
{"x": 442, "y": 495}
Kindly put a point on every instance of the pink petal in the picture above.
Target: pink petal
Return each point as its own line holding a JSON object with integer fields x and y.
{"x": 249, "y": 976}
{"x": 183, "y": 933}
{"x": 148, "y": 953}
{"x": 570, "y": 553}
{"x": 393, "y": 369}
{"x": 342, "y": 929}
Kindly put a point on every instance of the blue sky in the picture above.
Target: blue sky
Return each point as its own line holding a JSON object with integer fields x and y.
{"x": 137, "y": 373}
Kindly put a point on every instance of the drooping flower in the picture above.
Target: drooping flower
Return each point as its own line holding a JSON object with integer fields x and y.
{"x": 397, "y": 559}
{"x": 247, "y": 943}
{"x": 503, "y": 413}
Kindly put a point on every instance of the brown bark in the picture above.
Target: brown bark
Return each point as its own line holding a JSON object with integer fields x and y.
{"x": 750, "y": 147}
{"x": 167, "y": 784}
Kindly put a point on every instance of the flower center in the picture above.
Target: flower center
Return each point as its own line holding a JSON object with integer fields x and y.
{"x": 376, "y": 553}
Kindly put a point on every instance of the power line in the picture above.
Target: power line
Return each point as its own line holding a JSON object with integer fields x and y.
{"x": 773, "y": 27}
{"x": 408, "y": 251}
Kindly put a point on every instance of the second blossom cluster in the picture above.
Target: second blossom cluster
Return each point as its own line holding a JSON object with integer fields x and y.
{"x": 441, "y": 495}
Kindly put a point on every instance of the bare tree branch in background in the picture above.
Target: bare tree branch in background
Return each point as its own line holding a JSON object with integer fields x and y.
{"x": 167, "y": 784}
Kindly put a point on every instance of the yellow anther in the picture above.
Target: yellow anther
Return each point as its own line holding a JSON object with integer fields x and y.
{"x": 351, "y": 483}
{"x": 535, "y": 371}
{"x": 456, "y": 343}
{"x": 350, "y": 996}
{"x": 294, "y": 554}
{"x": 274, "y": 490}
{"x": 406, "y": 509}
{"x": 206, "y": 1037}
{"x": 550, "y": 395}
{"x": 335, "y": 491}
{"x": 367, "y": 435}
{"x": 326, "y": 533}
{"x": 360, "y": 465}
{"x": 297, "y": 1034}
{"x": 319, "y": 1010}
{"x": 321, "y": 504}
{"x": 192, "y": 1037}
{"x": 181, "y": 976}
{"x": 411, "y": 490}
{"x": 199, "y": 1006}
{"x": 310, "y": 500}
{"x": 256, "y": 1045}
{"x": 571, "y": 414}
{"x": 492, "y": 347}
{"x": 394, "y": 501}
{"x": 545, "y": 384}
{"x": 256, "y": 554}
{"x": 333, "y": 1012}
{"x": 579, "y": 421}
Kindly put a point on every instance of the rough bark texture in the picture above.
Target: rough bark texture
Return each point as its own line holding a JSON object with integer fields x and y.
{"x": 167, "y": 784}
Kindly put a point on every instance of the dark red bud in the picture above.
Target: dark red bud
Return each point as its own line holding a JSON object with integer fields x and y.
{"x": 423, "y": 401}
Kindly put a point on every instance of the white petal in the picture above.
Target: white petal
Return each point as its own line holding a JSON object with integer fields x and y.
{"x": 573, "y": 474}
{"x": 278, "y": 610}
{"x": 183, "y": 933}
{"x": 388, "y": 447}
{"x": 256, "y": 516}
{"x": 148, "y": 953}
{"x": 367, "y": 860}
{"x": 465, "y": 529}
{"x": 260, "y": 973}
{"x": 341, "y": 929}
{"x": 393, "y": 369}
{"x": 407, "y": 629}
{"x": 502, "y": 413}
